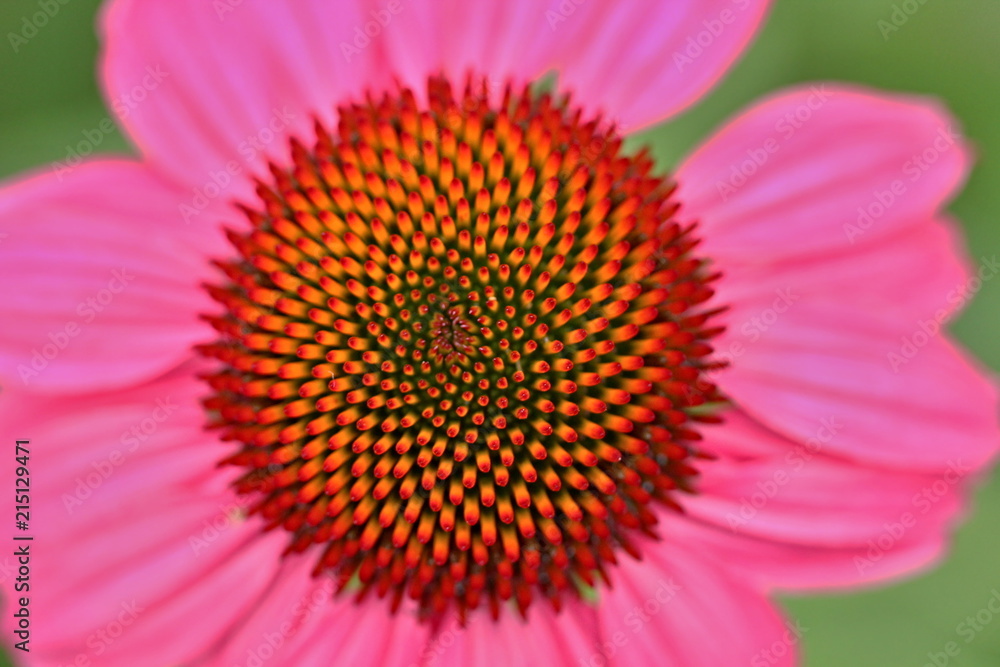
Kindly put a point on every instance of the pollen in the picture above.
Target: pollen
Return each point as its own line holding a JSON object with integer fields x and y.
{"x": 463, "y": 348}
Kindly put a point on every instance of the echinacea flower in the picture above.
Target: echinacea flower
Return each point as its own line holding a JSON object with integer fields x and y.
{"x": 387, "y": 352}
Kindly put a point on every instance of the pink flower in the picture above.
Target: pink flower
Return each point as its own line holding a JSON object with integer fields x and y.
{"x": 618, "y": 414}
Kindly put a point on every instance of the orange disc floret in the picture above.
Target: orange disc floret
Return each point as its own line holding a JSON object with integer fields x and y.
{"x": 463, "y": 348}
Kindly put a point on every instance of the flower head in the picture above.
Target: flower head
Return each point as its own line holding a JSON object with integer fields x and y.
{"x": 461, "y": 348}
{"x": 388, "y": 351}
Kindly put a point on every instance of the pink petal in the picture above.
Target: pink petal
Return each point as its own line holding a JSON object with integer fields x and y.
{"x": 162, "y": 631}
{"x": 286, "y": 619}
{"x": 250, "y": 76}
{"x": 493, "y": 39}
{"x": 133, "y": 550}
{"x": 247, "y": 77}
{"x": 826, "y": 521}
{"x": 680, "y": 607}
{"x": 796, "y": 174}
{"x": 363, "y": 634}
{"x": 799, "y": 493}
{"x": 666, "y": 55}
{"x": 902, "y": 400}
{"x": 871, "y": 283}
{"x": 794, "y": 567}
{"x": 106, "y": 274}
{"x": 566, "y": 638}
{"x": 636, "y": 62}
{"x": 824, "y": 309}
{"x": 300, "y": 621}
{"x": 876, "y": 278}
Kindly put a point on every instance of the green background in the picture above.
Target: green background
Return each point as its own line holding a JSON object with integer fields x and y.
{"x": 947, "y": 48}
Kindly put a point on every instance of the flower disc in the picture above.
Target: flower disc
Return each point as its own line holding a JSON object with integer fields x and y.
{"x": 462, "y": 348}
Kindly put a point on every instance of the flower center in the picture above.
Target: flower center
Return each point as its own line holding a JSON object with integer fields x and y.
{"x": 463, "y": 346}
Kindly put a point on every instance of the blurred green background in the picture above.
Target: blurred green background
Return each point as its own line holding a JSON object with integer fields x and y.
{"x": 947, "y": 48}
